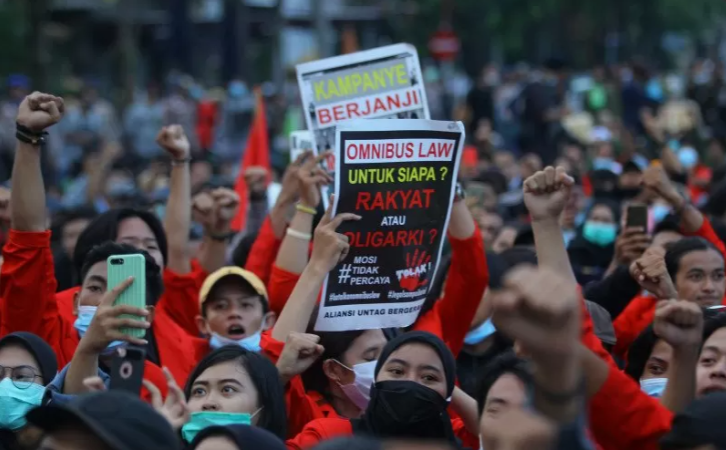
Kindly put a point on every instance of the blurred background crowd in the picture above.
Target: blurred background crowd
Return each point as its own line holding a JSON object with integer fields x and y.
{"x": 541, "y": 82}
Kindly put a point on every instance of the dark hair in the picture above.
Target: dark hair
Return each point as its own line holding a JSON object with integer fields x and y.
{"x": 64, "y": 217}
{"x": 515, "y": 256}
{"x": 675, "y": 251}
{"x": 503, "y": 364}
{"x": 712, "y": 324}
{"x": 100, "y": 253}
{"x": 335, "y": 344}
{"x": 105, "y": 228}
{"x": 242, "y": 251}
{"x": 639, "y": 352}
{"x": 264, "y": 376}
{"x": 612, "y": 206}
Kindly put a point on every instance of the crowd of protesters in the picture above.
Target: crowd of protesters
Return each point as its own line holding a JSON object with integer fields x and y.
{"x": 556, "y": 320}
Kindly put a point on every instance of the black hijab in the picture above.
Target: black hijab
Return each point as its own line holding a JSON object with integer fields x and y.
{"x": 406, "y": 409}
{"x": 41, "y": 351}
{"x": 246, "y": 437}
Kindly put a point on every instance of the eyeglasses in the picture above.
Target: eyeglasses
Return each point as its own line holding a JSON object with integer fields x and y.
{"x": 22, "y": 377}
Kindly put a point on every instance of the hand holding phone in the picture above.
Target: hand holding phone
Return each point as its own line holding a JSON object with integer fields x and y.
{"x": 127, "y": 369}
{"x": 123, "y": 267}
{"x": 637, "y": 216}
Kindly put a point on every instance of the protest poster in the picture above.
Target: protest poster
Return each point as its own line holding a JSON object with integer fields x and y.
{"x": 400, "y": 177}
{"x": 382, "y": 83}
{"x": 300, "y": 141}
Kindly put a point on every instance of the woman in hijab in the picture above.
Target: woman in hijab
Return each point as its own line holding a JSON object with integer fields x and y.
{"x": 27, "y": 365}
{"x": 236, "y": 437}
{"x": 414, "y": 381}
{"x": 592, "y": 249}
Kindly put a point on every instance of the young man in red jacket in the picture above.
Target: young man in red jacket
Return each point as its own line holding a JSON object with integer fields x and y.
{"x": 28, "y": 281}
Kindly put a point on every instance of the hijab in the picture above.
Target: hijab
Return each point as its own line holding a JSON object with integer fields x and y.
{"x": 246, "y": 437}
{"x": 41, "y": 351}
{"x": 406, "y": 409}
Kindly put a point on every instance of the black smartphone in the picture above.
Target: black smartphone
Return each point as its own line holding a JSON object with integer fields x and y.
{"x": 637, "y": 216}
{"x": 127, "y": 369}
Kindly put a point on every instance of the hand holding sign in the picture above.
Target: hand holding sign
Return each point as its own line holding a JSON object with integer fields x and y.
{"x": 546, "y": 193}
{"x": 310, "y": 178}
{"x": 329, "y": 246}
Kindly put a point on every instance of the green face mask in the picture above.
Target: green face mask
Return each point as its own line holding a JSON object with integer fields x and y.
{"x": 16, "y": 402}
{"x": 203, "y": 419}
{"x": 600, "y": 233}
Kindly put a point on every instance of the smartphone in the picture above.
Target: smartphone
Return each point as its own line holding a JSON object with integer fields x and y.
{"x": 118, "y": 269}
{"x": 127, "y": 369}
{"x": 637, "y": 216}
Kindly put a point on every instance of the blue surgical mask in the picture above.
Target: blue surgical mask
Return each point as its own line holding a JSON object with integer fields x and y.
{"x": 660, "y": 211}
{"x": 478, "y": 334}
{"x": 83, "y": 321}
{"x": 251, "y": 343}
{"x": 203, "y": 419}
{"x": 16, "y": 402}
{"x": 688, "y": 157}
{"x": 654, "y": 387}
{"x": 599, "y": 233}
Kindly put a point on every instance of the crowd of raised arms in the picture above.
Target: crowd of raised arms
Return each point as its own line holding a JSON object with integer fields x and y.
{"x": 562, "y": 327}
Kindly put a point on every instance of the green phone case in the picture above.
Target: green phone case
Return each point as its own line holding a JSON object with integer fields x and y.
{"x": 118, "y": 269}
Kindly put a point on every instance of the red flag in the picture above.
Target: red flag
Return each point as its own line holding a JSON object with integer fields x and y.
{"x": 257, "y": 153}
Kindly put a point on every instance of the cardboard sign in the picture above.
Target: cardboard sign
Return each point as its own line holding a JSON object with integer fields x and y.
{"x": 382, "y": 83}
{"x": 400, "y": 177}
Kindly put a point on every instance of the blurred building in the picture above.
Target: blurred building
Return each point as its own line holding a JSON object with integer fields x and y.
{"x": 213, "y": 40}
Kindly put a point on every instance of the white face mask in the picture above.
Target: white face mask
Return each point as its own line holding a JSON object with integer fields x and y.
{"x": 360, "y": 391}
{"x": 654, "y": 387}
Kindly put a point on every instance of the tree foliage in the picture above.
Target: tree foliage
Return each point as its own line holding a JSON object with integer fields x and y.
{"x": 535, "y": 29}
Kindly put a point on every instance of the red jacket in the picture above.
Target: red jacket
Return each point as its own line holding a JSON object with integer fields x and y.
{"x": 641, "y": 310}
{"x": 450, "y": 319}
{"x": 323, "y": 429}
{"x": 27, "y": 287}
{"x": 451, "y": 316}
{"x": 622, "y": 417}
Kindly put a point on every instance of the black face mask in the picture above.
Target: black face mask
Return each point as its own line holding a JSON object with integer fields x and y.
{"x": 406, "y": 409}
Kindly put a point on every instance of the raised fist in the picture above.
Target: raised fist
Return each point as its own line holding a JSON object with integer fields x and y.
{"x": 651, "y": 273}
{"x": 539, "y": 309}
{"x": 546, "y": 193}
{"x": 300, "y": 352}
{"x": 174, "y": 141}
{"x": 39, "y": 111}
{"x": 679, "y": 323}
{"x": 657, "y": 181}
{"x": 215, "y": 210}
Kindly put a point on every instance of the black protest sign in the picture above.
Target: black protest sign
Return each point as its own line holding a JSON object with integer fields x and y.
{"x": 400, "y": 177}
